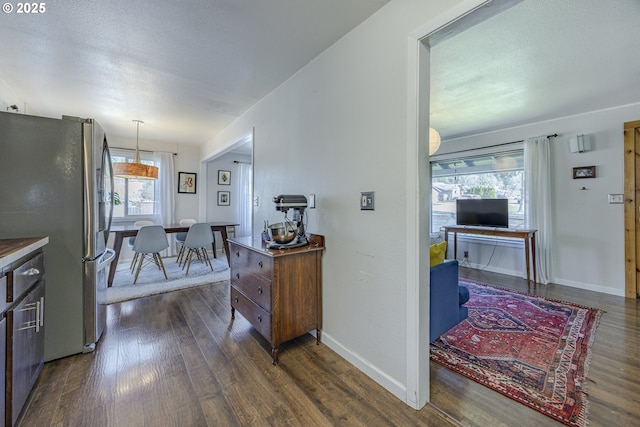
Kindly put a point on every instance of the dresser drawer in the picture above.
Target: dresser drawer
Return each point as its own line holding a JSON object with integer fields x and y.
{"x": 257, "y": 288}
{"x": 256, "y": 315}
{"x": 23, "y": 276}
{"x": 250, "y": 261}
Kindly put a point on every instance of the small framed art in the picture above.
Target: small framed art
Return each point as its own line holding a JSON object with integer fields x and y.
{"x": 584, "y": 172}
{"x": 187, "y": 182}
{"x": 224, "y": 177}
{"x": 224, "y": 198}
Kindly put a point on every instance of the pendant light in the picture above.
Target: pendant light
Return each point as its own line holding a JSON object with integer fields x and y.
{"x": 434, "y": 141}
{"x": 135, "y": 170}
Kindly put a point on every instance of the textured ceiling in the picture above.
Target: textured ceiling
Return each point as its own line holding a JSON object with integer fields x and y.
{"x": 538, "y": 60}
{"x": 189, "y": 68}
{"x": 186, "y": 68}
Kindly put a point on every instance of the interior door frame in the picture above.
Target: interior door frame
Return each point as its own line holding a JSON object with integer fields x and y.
{"x": 249, "y": 137}
{"x": 631, "y": 208}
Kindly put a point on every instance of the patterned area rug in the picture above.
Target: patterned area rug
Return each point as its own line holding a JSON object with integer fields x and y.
{"x": 530, "y": 349}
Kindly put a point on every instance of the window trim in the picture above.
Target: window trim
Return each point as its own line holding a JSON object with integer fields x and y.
{"x": 129, "y": 154}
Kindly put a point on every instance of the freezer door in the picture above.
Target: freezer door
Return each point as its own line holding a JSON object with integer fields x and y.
{"x": 98, "y": 187}
{"x": 95, "y": 307}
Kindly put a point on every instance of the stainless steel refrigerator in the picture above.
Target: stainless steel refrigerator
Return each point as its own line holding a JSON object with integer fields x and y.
{"x": 56, "y": 180}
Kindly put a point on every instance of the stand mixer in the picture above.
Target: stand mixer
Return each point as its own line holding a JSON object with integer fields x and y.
{"x": 290, "y": 233}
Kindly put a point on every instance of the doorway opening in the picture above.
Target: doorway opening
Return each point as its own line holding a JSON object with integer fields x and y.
{"x": 229, "y": 188}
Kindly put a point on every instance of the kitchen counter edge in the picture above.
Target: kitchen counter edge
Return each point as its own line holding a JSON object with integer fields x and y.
{"x": 12, "y": 250}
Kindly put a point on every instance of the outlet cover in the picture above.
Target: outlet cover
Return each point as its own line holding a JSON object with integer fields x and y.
{"x": 616, "y": 198}
{"x": 366, "y": 201}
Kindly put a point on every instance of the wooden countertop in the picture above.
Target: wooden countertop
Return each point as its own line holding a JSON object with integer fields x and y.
{"x": 316, "y": 243}
{"x": 13, "y": 249}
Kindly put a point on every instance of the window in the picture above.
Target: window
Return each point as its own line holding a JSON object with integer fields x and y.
{"x": 487, "y": 176}
{"x": 133, "y": 198}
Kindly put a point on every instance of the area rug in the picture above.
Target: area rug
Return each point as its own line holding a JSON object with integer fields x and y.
{"x": 151, "y": 280}
{"x": 530, "y": 349}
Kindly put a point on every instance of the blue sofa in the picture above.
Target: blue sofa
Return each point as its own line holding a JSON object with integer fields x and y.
{"x": 447, "y": 299}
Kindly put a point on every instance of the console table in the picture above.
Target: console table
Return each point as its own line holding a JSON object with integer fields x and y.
{"x": 528, "y": 236}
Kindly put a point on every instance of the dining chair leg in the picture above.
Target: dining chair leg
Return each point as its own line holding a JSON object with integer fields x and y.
{"x": 180, "y": 254}
{"x": 188, "y": 262}
{"x": 141, "y": 259}
{"x": 161, "y": 265}
{"x": 207, "y": 259}
{"x": 133, "y": 262}
{"x": 156, "y": 260}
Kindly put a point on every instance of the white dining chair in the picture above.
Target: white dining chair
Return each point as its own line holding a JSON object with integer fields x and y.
{"x": 181, "y": 236}
{"x": 199, "y": 238}
{"x": 132, "y": 239}
{"x": 151, "y": 239}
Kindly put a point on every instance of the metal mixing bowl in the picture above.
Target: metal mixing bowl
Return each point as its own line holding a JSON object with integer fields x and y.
{"x": 282, "y": 232}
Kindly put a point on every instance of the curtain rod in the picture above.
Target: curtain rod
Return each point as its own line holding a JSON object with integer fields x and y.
{"x": 238, "y": 161}
{"x": 491, "y": 146}
{"x": 143, "y": 151}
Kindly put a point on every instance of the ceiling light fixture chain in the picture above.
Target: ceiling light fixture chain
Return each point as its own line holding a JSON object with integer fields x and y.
{"x": 135, "y": 170}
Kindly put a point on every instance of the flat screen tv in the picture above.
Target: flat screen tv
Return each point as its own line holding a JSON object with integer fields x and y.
{"x": 483, "y": 212}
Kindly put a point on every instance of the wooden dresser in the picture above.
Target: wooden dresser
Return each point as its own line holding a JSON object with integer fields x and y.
{"x": 278, "y": 291}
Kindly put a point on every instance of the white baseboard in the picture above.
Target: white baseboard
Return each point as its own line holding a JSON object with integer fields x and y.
{"x": 392, "y": 385}
{"x": 590, "y": 287}
{"x": 556, "y": 280}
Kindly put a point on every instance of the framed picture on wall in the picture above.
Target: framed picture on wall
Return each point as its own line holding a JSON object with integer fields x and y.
{"x": 224, "y": 177}
{"x": 584, "y": 172}
{"x": 187, "y": 182}
{"x": 224, "y": 198}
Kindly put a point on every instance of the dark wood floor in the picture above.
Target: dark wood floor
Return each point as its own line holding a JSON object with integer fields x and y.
{"x": 177, "y": 360}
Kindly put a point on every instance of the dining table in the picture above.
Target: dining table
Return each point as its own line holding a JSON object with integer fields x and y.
{"x": 130, "y": 230}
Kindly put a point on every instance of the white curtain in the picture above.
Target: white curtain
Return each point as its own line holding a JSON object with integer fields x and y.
{"x": 165, "y": 189}
{"x": 243, "y": 212}
{"x": 537, "y": 176}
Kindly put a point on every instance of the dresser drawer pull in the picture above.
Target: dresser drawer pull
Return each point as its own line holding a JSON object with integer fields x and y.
{"x": 236, "y": 300}
{"x": 260, "y": 264}
{"x": 260, "y": 290}
{"x": 238, "y": 254}
{"x": 237, "y": 275}
{"x": 31, "y": 272}
{"x": 259, "y": 318}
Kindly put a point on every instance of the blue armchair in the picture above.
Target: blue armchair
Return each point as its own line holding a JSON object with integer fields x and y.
{"x": 447, "y": 299}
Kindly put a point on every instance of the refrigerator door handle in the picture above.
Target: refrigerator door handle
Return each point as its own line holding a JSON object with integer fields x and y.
{"x": 109, "y": 255}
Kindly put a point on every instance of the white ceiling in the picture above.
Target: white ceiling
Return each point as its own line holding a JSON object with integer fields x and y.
{"x": 189, "y": 68}
{"x": 186, "y": 68}
{"x": 538, "y": 60}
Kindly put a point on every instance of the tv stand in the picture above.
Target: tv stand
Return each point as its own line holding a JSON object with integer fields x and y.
{"x": 528, "y": 237}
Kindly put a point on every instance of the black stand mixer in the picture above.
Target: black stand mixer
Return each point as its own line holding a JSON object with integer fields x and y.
{"x": 290, "y": 233}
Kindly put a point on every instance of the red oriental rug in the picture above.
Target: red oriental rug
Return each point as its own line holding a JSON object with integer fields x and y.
{"x": 530, "y": 349}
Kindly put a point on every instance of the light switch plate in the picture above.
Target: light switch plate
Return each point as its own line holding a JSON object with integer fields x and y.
{"x": 312, "y": 201}
{"x": 616, "y": 198}
{"x": 366, "y": 201}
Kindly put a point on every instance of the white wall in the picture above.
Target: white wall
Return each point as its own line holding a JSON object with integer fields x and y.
{"x": 223, "y": 213}
{"x": 337, "y": 128}
{"x": 588, "y": 247}
{"x": 188, "y": 160}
